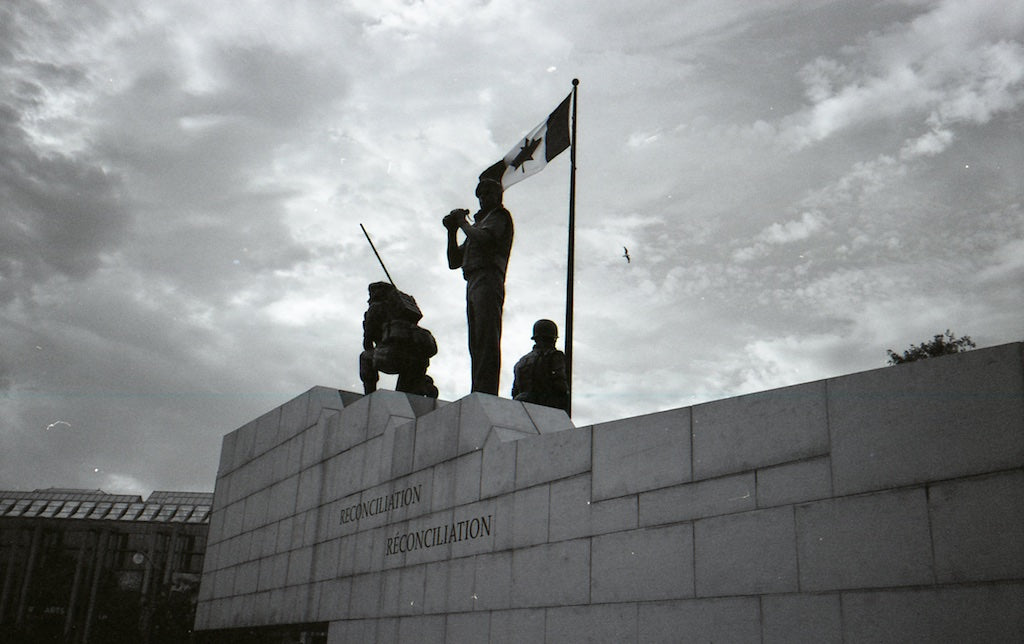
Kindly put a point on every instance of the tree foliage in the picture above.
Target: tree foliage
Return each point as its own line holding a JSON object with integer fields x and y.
{"x": 940, "y": 345}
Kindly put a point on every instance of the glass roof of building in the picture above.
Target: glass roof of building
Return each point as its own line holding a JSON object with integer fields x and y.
{"x": 63, "y": 504}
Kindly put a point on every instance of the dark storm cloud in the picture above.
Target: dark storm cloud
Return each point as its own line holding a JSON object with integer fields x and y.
{"x": 59, "y": 212}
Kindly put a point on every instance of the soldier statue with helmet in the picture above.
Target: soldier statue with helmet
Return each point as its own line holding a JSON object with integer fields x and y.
{"x": 540, "y": 375}
{"x": 394, "y": 343}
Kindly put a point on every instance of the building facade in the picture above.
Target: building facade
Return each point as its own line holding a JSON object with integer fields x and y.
{"x": 80, "y": 566}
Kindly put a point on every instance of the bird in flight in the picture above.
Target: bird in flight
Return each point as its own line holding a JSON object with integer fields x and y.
{"x": 625, "y": 253}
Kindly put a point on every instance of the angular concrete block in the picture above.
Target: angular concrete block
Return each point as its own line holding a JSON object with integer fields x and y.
{"x": 425, "y": 628}
{"x": 325, "y": 561}
{"x": 388, "y": 409}
{"x": 759, "y": 429}
{"x": 432, "y": 530}
{"x": 640, "y": 454}
{"x": 865, "y": 541}
{"x": 256, "y": 506}
{"x": 376, "y": 463}
{"x": 551, "y": 575}
{"x": 596, "y": 623}
{"x": 442, "y": 494}
{"x": 548, "y": 420}
{"x": 701, "y": 620}
{"x": 794, "y": 482}
{"x": 525, "y": 626}
{"x": 467, "y": 627}
{"x": 291, "y": 462}
{"x": 990, "y": 613}
{"x": 935, "y": 419}
{"x": 978, "y": 528}
{"x": 552, "y": 456}
{"x": 498, "y": 469}
{"x": 529, "y": 520}
{"x": 352, "y": 426}
{"x": 483, "y": 413}
{"x": 300, "y": 564}
{"x": 410, "y": 592}
{"x": 227, "y": 455}
{"x": 326, "y": 399}
{"x": 365, "y": 600}
{"x": 303, "y": 494}
{"x": 467, "y": 478}
{"x": 574, "y": 515}
{"x": 746, "y": 554}
{"x": 476, "y": 527}
{"x": 799, "y": 619}
{"x": 435, "y": 587}
{"x": 641, "y": 565}
{"x": 294, "y": 416}
{"x": 265, "y": 431}
{"x": 335, "y": 595}
{"x": 402, "y": 449}
{"x": 437, "y": 436}
{"x": 697, "y": 500}
{"x": 461, "y": 591}
{"x": 492, "y": 588}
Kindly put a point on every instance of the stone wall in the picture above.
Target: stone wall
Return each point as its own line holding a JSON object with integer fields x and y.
{"x": 880, "y": 506}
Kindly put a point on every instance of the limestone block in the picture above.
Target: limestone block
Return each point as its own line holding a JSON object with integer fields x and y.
{"x": 483, "y": 413}
{"x": 758, "y": 430}
{"x": 217, "y": 526}
{"x": 442, "y": 495}
{"x": 265, "y": 431}
{"x": 325, "y": 399}
{"x": 552, "y": 456}
{"x": 555, "y": 574}
{"x": 990, "y": 613}
{"x": 325, "y": 560}
{"x": 303, "y": 494}
{"x": 291, "y": 463}
{"x": 467, "y": 478}
{"x": 431, "y": 551}
{"x": 864, "y": 541}
{"x": 641, "y": 565}
{"x": 746, "y": 553}
{"x": 388, "y": 409}
{"x": 227, "y": 455}
{"x": 702, "y": 620}
{"x": 224, "y": 582}
{"x": 295, "y": 416}
{"x": 524, "y": 626}
{"x": 978, "y": 528}
{"x": 492, "y": 589}
{"x": 548, "y": 420}
{"x": 595, "y": 623}
{"x": 346, "y": 555}
{"x": 313, "y": 440}
{"x": 701, "y": 499}
{"x": 246, "y": 577}
{"x": 335, "y": 595}
{"x": 467, "y": 627}
{"x": 573, "y": 514}
{"x": 428, "y": 629}
{"x": 300, "y": 566}
{"x": 255, "y": 514}
{"x": 402, "y": 446}
{"x": 476, "y": 526}
{"x": 640, "y": 454}
{"x": 437, "y": 436}
{"x": 365, "y": 596}
{"x": 410, "y": 590}
{"x": 353, "y": 422}
{"x": 460, "y": 590}
{"x": 377, "y": 462}
{"x": 245, "y": 440}
{"x": 529, "y": 520}
{"x": 344, "y": 474}
{"x": 435, "y": 587}
{"x": 794, "y": 482}
{"x": 935, "y": 419}
{"x": 498, "y": 468}
{"x": 267, "y": 578}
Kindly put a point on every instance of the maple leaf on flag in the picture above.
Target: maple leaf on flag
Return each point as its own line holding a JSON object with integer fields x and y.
{"x": 532, "y": 153}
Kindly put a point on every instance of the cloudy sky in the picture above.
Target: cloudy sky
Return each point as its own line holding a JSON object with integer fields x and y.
{"x": 801, "y": 185}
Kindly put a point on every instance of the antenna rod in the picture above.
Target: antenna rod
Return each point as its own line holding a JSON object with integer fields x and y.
{"x": 378, "y": 256}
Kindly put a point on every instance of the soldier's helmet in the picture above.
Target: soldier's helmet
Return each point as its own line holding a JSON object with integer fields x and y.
{"x": 545, "y": 329}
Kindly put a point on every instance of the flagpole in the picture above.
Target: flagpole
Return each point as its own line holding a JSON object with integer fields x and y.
{"x": 572, "y": 251}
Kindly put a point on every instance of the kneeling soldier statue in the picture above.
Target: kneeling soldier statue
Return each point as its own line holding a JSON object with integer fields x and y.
{"x": 540, "y": 374}
{"x": 394, "y": 343}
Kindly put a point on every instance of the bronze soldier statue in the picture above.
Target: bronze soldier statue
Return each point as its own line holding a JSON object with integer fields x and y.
{"x": 483, "y": 258}
{"x": 394, "y": 343}
{"x": 540, "y": 375}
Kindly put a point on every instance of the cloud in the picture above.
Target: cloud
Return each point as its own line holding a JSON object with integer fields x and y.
{"x": 956, "y": 63}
